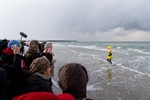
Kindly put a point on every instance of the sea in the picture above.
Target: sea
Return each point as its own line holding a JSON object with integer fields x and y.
{"x": 127, "y": 78}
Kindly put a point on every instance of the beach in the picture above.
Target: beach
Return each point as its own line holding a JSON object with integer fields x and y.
{"x": 130, "y": 71}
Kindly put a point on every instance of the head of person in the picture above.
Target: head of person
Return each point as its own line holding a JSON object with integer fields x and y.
{"x": 73, "y": 79}
{"x": 12, "y": 43}
{"x": 41, "y": 65}
{"x": 48, "y": 46}
{"x": 3, "y": 44}
{"x": 109, "y": 47}
{"x": 44, "y": 96}
{"x": 49, "y": 56}
{"x": 8, "y": 54}
{"x": 34, "y": 46}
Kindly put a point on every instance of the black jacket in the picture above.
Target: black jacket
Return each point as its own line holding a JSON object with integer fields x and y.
{"x": 12, "y": 76}
{"x": 36, "y": 83}
{"x": 3, "y": 84}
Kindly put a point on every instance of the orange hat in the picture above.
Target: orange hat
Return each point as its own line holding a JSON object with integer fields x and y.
{"x": 44, "y": 96}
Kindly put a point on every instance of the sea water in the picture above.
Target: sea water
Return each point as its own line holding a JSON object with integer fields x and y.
{"x": 130, "y": 69}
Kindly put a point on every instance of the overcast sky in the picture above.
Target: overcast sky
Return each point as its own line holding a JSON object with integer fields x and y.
{"x": 82, "y": 20}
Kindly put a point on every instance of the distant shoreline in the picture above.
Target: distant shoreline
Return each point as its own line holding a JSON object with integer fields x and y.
{"x": 52, "y": 40}
{"x": 59, "y": 40}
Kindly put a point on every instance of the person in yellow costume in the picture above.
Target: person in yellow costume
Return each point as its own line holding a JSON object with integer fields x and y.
{"x": 109, "y": 56}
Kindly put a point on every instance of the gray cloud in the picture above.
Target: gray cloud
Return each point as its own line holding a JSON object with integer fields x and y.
{"x": 73, "y": 19}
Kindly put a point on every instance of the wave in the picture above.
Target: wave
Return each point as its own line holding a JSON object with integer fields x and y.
{"x": 74, "y": 51}
{"x": 88, "y": 47}
{"x": 119, "y": 47}
{"x": 133, "y": 70}
{"x": 94, "y": 87}
{"x": 58, "y": 45}
{"x": 140, "y": 51}
{"x": 120, "y": 65}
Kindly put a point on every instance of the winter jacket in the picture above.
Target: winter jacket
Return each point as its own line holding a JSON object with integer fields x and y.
{"x": 38, "y": 83}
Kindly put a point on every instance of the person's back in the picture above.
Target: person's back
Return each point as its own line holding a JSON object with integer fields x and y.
{"x": 32, "y": 53}
{"x": 73, "y": 79}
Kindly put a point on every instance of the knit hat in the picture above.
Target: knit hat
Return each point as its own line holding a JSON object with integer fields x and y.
{"x": 44, "y": 96}
{"x": 13, "y": 42}
{"x": 39, "y": 65}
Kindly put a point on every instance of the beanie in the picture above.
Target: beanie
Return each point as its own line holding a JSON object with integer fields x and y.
{"x": 13, "y": 42}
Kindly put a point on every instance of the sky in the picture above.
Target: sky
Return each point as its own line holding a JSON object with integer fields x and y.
{"x": 82, "y": 20}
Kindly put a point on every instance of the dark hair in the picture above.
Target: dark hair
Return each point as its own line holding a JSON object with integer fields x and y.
{"x": 48, "y": 56}
{"x": 70, "y": 75}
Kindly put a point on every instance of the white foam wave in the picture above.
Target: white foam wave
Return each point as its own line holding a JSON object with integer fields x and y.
{"x": 83, "y": 54}
{"x": 119, "y": 47}
{"x": 88, "y": 47}
{"x": 94, "y": 87}
{"x": 96, "y": 57}
{"x": 58, "y": 45}
{"x": 140, "y": 51}
{"x": 73, "y": 51}
{"x": 133, "y": 70}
